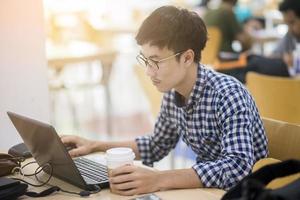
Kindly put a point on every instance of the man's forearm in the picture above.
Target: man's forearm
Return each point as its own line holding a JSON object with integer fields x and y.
{"x": 176, "y": 179}
{"x": 103, "y": 146}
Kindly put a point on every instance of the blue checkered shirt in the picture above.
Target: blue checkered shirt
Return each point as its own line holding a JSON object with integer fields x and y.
{"x": 221, "y": 124}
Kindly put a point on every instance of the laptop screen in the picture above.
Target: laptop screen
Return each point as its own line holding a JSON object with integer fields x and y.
{"x": 46, "y": 147}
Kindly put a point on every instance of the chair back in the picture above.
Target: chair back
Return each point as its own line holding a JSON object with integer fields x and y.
{"x": 283, "y": 139}
{"x": 276, "y": 97}
{"x": 212, "y": 48}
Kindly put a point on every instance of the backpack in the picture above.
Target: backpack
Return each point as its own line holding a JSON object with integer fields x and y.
{"x": 252, "y": 187}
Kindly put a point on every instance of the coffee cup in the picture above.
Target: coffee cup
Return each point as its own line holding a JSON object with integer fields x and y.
{"x": 117, "y": 157}
{"x": 120, "y": 156}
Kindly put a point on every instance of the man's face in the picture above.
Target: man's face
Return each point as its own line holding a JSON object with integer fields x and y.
{"x": 293, "y": 22}
{"x": 170, "y": 73}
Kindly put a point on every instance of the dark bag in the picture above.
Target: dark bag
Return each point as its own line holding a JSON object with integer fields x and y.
{"x": 252, "y": 187}
{"x": 8, "y": 163}
{"x": 11, "y": 189}
{"x": 20, "y": 150}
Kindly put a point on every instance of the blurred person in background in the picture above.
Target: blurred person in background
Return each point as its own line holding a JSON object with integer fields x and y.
{"x": 224, "y": 18}
{"x": 212, "y": 112}
{"x": 291, "y": 15}
{"x": 280, "y": 62}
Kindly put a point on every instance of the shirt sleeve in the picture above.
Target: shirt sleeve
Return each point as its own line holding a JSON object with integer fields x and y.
{"x": 237, "y": 157}
{"x": 285, "y": 45}
{"x": 279, "y": 49}
{"x": 164, "y": 138}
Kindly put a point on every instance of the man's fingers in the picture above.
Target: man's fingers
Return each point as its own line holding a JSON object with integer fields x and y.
{"x": 125, "y": 186}
{"x": 121, "y": 179}
{"x": 76, "y": 152}
{"x": 126, "y": 169}
{"x": 70, "y": 142}
{"x": 67, "y": 139}
{"x": 73, "y": 153}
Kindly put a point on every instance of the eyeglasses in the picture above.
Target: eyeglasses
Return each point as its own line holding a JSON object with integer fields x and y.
{"x": 153, "y": 64}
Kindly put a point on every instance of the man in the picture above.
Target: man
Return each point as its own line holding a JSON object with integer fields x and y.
{"x": 225, "y": 19}
{"x": 214, "y": 114}
{"x": 280, "y": 63}
{"x": 291, "y": 15}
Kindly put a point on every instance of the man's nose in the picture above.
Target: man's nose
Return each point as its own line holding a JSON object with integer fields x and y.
{"x": 150, "y": 71}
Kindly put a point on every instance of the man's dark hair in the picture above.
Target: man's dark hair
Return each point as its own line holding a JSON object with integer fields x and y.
{"x": 174, "y": 28}
{"x": 293, "y": 5}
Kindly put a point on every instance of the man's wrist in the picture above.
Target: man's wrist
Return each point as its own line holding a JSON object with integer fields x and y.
{"x": 96, "y": 146}
{"x": 180, "y": 178}
{"x": 163, "y": 180}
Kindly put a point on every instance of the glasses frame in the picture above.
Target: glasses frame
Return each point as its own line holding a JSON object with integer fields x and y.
{"x": 145, "y": 62}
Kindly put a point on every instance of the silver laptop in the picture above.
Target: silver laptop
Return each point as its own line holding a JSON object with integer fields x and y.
{"x": 46, "y": 147}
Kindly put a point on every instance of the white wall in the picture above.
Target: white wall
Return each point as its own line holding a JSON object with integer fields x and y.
{"x": 23, "y": 75}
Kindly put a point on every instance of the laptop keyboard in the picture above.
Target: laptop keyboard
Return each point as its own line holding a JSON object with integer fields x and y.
{"x": 91, "y": 170}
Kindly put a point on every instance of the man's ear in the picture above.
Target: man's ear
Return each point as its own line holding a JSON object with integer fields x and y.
{"x": 188, "y": 57}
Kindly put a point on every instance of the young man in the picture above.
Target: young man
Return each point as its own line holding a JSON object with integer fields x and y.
{"x": 214, "y": 113}
{"x": 280, "y": 62}
{"x": 291, "y": 15}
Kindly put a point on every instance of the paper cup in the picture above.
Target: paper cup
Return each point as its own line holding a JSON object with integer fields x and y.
{"x": 117, "y": 157}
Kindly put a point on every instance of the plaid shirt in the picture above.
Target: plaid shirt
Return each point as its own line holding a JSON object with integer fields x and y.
{"x": 221, "y": 124}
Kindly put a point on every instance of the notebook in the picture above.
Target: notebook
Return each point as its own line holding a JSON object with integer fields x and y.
{"x": 46, "y": 147}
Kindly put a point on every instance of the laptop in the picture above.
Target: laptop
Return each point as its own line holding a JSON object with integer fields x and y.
{"x": 46, "y": 147}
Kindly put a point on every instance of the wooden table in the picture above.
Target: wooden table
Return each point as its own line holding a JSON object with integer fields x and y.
{"x": 105, "y": 194}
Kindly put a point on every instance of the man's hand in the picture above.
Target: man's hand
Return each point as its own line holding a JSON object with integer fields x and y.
{"x": 132, "y": 180}
{"x": 288, "y": 59}
{"x": 81, "y": 146}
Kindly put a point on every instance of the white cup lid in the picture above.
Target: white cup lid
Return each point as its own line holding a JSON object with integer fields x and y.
{"x": 120, "y": 153}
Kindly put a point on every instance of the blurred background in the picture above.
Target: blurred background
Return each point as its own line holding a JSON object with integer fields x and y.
{"x": 95, "y": 87}
{"x": 117, "y": 107}
{"x": 102, "y": 33}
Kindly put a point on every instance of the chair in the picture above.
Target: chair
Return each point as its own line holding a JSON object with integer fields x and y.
{"x": 211, "y": 50}
{"x": 283, "y": 139}
{"x": 283, "y": 144}
{"x": 276, "y": 97}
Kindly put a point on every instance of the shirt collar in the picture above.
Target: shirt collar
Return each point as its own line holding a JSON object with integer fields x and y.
{"x": 196, "y": 91}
